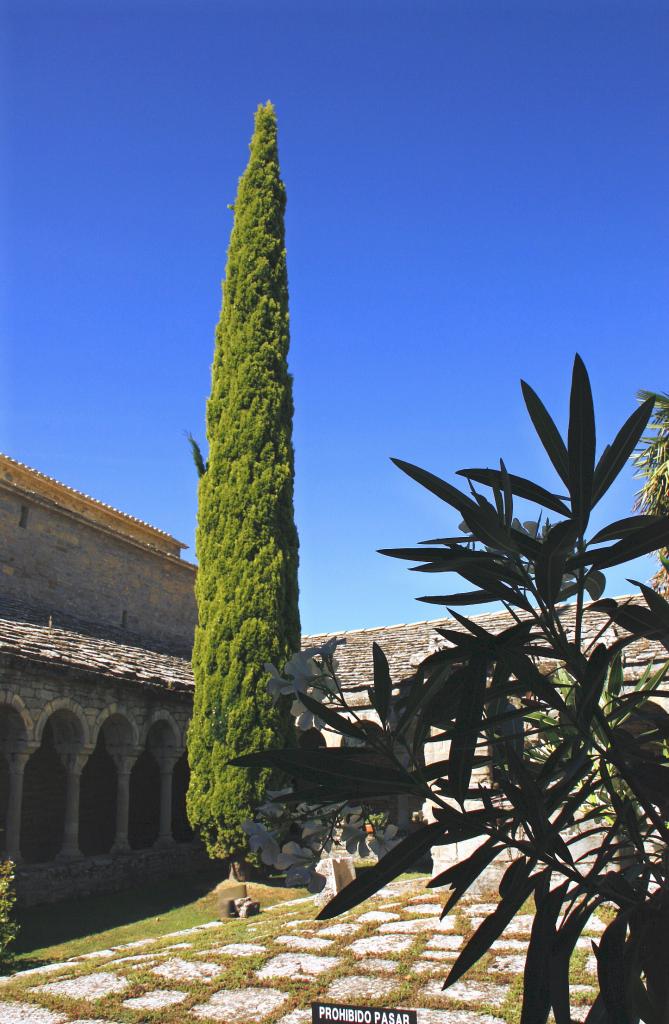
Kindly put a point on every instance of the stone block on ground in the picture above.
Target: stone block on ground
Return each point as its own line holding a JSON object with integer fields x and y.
{"x": 187, "y": 970}
{"x": 341, "y": 928}
{"x": 297, "y": 966}
{"x": 338, "y": 872}
{"x": 296, "y": 1017}
{"x": 381, "y": 944}
{"x": 28, "y": 1013}
{"x": 508, "y": 964}
{"x": 235, "y": 949}
{"x": 156, "y": 1000}
{"x": 444, "y": 942}
{"x": 456, "y": 1017}
{"x": 88, "y": 986}
{"x": 414, "y": 926}
{"x": 354, "y": 987}
{"x": 241, "y": 1005}
{"x": 247, "y": 907}
{"x": 467, "y": 992}
{"x": 379, "y": 966}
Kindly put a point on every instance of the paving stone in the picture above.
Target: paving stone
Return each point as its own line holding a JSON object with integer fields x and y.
{"x": 588, "y": 989}
{"x": 427, "y": 909}
{"x": 439, "y": 954}
{"x": 594, "y": 926}
{"x": 187, "y": 970}
{"x": 240, "y": 1005}
{"x": 296, "y": 1017}
{"x": 418, "y": 924}
{"x": 521, "y": 925}
{"x": 381, "y": 944}
{"x": 138, "y": 958}
{"x": 583, "y": 942}
{"x": 135, "y": 945}
{"x": 89, "y": 986}
{"x": 512, "y": 964}
{"x": 156, "y": 1000}
{"x": 510, "y": 944}
{"x": 300, "y": 923}
{"x": 298, "y": 966}
{"x": 480, "y": 909}
{"x": 303, "y": 942}
{"x": 379, "y": 966}
{"x": 97, "y": 954}
{"x": 28, "y": 1013}
{"x": 44, "y": 969}
{"x": 467, "y": 992}
{"x": 427, "y": 967}
{"x": 341, "y": 928}
{"x": 235, "y": 949}
{"x": 98, "y": 1020}
{"x": 360, "y": 986}
{"x": 591, "y": 965}
{"x": 378, "y": 917}
{"x": 579, "y": 1012}
{"x": 456, "y": 1017}
{"x": 444, "y": 942}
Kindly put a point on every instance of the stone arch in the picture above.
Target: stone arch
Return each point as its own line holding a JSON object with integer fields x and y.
{"x": 13, "y": 703}
{"x": 67, "y": 705}
{"x": 158, "y": 723}
{"x": 63, "y": 735}
{"x": 119, "y": 725}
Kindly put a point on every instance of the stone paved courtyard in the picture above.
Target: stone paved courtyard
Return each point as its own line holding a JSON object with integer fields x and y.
{"x": 268, "y": 970}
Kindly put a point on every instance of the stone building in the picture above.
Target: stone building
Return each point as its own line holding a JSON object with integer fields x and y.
{"x": 97, "y": 615}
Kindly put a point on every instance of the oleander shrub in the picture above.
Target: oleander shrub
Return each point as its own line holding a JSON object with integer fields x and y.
{"x": 572, "y": 751}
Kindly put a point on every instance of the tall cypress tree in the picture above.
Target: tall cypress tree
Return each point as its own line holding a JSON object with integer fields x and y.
{"x": 247, "y": 542}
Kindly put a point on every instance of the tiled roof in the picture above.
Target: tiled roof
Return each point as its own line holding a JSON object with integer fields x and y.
{"x": 49, "y": 645}
{"x": 404, "y": 645}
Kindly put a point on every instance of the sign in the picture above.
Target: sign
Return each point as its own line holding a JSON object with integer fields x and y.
{"x": 338, "y": 1013}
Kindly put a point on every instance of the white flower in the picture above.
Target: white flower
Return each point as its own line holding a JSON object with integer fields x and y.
{"x": 383, "y": 840}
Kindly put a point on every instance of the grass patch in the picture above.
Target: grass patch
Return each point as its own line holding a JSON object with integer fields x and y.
{"x": 56, "y": 931}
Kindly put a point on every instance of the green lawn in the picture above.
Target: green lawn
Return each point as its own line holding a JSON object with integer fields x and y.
{"x": 57, "y": 931}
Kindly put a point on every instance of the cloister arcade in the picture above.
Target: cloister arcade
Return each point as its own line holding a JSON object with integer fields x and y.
{"x": 72, "y": 787}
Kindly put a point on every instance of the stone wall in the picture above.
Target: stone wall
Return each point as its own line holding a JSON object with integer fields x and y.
{"x": 63, "y": 553}
{"x": 59, "y": 880}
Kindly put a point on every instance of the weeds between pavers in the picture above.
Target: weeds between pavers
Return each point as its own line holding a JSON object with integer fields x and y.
{"x": 409, "y": 983}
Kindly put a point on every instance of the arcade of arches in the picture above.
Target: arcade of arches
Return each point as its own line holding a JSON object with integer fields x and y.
{"x": 67, "y": 793}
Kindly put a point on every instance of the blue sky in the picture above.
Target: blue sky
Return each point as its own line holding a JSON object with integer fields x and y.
{"x": 476, "y": 191}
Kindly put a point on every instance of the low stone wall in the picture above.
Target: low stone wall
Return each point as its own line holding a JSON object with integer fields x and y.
{"x": 58, "y": 880}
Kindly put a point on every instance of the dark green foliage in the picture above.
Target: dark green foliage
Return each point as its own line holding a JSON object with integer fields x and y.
{"x": 8, "y": 926}
{"x": 247, "y": 543}
{"x": 572, "y": 751}
{"x": 196, "y": 453}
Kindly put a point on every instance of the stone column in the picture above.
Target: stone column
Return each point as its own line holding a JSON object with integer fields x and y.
{"x": 165, "y": 837}
{"x": 123, "y": 770}
{"x": 17, "y": 763}
{"x": 74, "y": 764}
